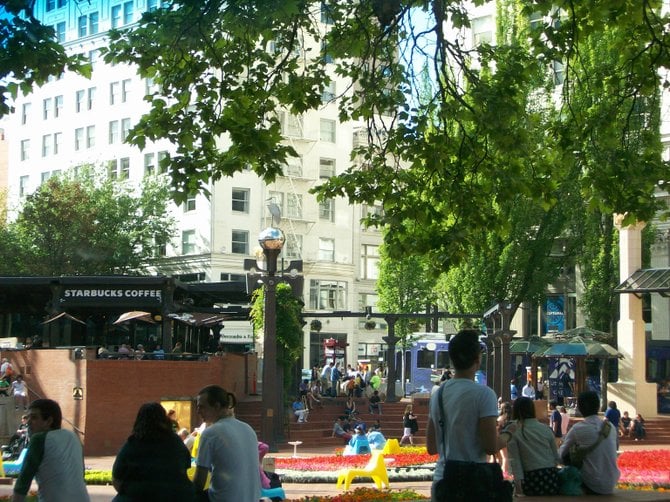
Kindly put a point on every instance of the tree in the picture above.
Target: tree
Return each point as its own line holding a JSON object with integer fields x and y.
{"x": 442, "y": 167}
{"x": 86, "y": 224}
{"x": 29, "y": 52}
{"x": 404, "y": 286}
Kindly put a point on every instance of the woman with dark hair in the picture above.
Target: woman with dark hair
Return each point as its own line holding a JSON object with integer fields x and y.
{"x": 532, "y": 452}
{"x": 152, "y": 464}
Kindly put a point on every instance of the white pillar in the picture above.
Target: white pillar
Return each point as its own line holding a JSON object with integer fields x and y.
{"x": 660, "y": 305}
{"x": 631, "y": 392}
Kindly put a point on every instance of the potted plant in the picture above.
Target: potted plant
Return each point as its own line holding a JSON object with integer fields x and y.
{"x": 315, "y": 325}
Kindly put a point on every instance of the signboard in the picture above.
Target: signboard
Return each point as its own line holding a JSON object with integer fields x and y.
{"x": 77, "y": 393}
{"x": 554, "y": 315}
{"x": 237, "y": 332}
{"x": 120, "y": 296}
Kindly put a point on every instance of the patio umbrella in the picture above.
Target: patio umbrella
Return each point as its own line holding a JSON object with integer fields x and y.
{"x": 137, "y": 315}
{"x": 579, "y": 346}
{"x": 63, "y": 315}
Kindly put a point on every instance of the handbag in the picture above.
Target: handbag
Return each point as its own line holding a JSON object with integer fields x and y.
{"x": 470, "y": 481}
{"x": 576, "y": 454}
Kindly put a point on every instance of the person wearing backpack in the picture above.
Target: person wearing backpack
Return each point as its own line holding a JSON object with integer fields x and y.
{"x": 599, "y": 468}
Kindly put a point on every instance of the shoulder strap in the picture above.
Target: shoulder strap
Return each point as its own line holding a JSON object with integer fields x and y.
{"x": 604, "y": 432}
{"x": 443, "y": 421}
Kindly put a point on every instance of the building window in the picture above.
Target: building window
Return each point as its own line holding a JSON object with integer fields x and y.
{"x": 125, "y": 129}
{"x": 79, "y": 100}
{"x": 159, "y": 247}
{"x": 328, "y": 92}
{"x": 116, "y": 16}
{"x": 240, "y": 242}
{"x": 124, "y": 164}
{"x": 83, "y": 26}
{"x": 91, "y": 98}
{"x": 93, "y": 57}
{"x": 58, "y": 106}
{"x": 327, "y": 210}
{"x": 58, "y": 140}
{"x": 25, "y": 113}
{"x": 51, "y": 5}
{"x": 291, "y": 125}
{"x": 90, "y": 136}
{"x": 44, "y": 176}
{"x": 193, "y": 277}
{"x": 188, "y": 242}
{"x": 327, "y": 295}
{"x": 47, "y": 140}
{"x": 79, "y": 138}
{"x": 293, "y": 247}
{"x": 327, "y": 130}
{"x": 125, "y": 90}
{"x": 240, "y": 200}
{"x": 326, "y": 168}
{"x": 60, "y": 32}
{"x": 160, "y": 157}
{"x": 189, "y": 205}
{"x": 369, "y": 261}
{"x": 228, "y": 277}
{"x": 113, "y": 92}
{"x": 293, "y": 167}
{"x": 113, "y": 169}
{"x": 25, "y": 149}
{"x": 482, "y": 30}
{"x": 23, "y": 185}
{"x": 149, "y": 165}
{"x": 128, "y": 13}
{"x": 326, "y": 249}
{"x": 294, "y": 205}
{"x": 93, "y": 23}
{"x": 46, "y": 108}
{"x": 113, "y": 132}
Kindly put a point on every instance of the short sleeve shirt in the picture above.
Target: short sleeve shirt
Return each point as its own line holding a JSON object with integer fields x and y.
{"x": 465, "y": 402}
{"x": 229, "y": 449}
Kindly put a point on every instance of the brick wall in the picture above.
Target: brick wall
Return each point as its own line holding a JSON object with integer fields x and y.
{"x": 113, "y": 390}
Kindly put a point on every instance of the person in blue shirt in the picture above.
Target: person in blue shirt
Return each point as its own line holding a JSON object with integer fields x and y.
{"x": 614, "y": 416}
{"x": 376, "y": 438}
{"x": 359, "y": 444}
{"x": 513, "y": 391}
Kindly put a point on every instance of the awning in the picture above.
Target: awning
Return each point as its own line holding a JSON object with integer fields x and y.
{"x": 198, "y": 318}
{"x": 648, "y": 280}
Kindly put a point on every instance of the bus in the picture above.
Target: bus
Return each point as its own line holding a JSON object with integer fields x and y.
{"x": 427, "y": 359}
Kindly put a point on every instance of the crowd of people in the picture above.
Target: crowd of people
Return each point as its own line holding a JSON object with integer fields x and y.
{"x": 468, "y": 427}
{"x": 221, "y": 460}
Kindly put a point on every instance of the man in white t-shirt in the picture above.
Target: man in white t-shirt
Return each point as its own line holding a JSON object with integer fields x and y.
{"x": 228, "y": 449}
{"x": 55, "y": 458}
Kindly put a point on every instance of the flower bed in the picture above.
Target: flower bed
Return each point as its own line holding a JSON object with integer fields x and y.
{"x": 412, "y": 464}
{"x": 640, "y": 470}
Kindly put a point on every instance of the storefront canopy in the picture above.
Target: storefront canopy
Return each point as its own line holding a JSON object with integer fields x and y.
{"x": 648, "y": 280}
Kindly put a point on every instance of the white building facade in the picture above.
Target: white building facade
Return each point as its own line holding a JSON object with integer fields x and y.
{"x": 73, "y": 120}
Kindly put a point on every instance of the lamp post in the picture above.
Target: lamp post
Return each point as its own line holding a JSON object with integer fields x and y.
{"x": 271, "y": 240}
